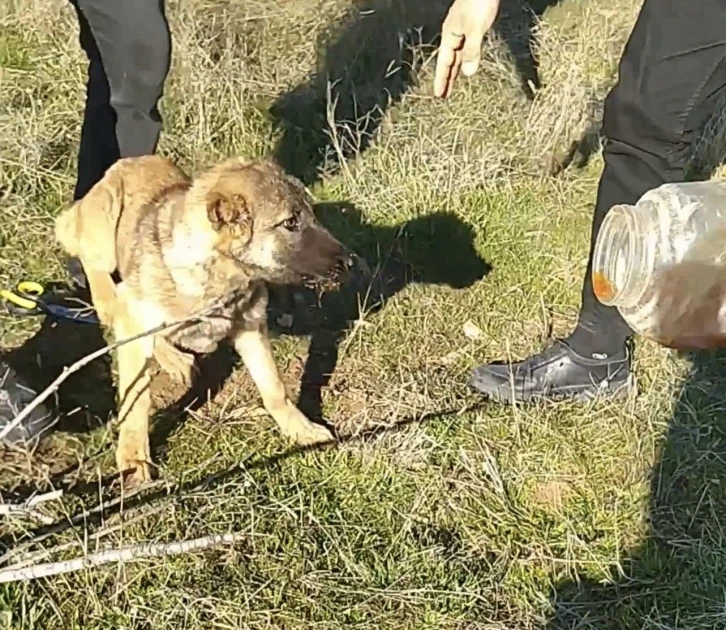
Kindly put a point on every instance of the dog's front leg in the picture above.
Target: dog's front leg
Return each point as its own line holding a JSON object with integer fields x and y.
{"x": 254, "y": 348}
{"x": 133, "y": 453}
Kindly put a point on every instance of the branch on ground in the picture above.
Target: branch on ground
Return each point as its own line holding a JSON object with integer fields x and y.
{"x": 27, "y": 508}
{"x": 124, "y": 554}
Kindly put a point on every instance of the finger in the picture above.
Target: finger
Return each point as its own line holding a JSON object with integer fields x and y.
{"x": 453, "y": 74}
{"x": 445, "y": 60}
{"x": 471, "y": 53}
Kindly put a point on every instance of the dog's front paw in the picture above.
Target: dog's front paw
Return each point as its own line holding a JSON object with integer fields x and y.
{"x": 133, "y": 459}
{"x": 295, "y": 425}
{"x": 312, "y": 434}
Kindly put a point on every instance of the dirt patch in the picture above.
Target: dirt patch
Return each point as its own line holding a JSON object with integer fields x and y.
{"x": 552, "y": 494}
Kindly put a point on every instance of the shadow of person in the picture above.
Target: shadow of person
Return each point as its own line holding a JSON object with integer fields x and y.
{"x": 433, "y": 249}
{"x": 579, "y": 153}
{"x": 677, "y": 577}
{"x": 517, "y": 25}
{"x": 367, "y": 61}
{"x": 84, "y": 401}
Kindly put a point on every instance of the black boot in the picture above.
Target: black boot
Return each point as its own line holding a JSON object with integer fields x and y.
{"x": 557, "y": 373}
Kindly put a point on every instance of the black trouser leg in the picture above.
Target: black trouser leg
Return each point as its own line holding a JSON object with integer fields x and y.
{"x": 671, "y": 75}
{"x": 129, "y": 50}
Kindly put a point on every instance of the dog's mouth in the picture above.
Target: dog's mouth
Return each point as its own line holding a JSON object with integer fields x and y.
{"x": 323, "y": 284}
{"x": 343, "y": 270}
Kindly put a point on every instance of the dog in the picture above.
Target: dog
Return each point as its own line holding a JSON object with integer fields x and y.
{"x": 199, "y": 252}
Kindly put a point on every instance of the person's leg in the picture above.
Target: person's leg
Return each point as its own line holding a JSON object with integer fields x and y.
{"x": 128, "y": 45}
{"x": 671, "y": 75}
{"x": 98, "y": 148}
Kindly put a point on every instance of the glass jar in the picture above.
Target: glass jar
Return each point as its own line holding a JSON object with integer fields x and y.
{"x": 662, "y": 264}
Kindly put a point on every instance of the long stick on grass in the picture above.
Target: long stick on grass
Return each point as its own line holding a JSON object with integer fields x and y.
{"x": 31, "y": 559}
{"x": 123, "y": 554}
{"x": 75, "y": 520}
{"x": 83, "y": 361}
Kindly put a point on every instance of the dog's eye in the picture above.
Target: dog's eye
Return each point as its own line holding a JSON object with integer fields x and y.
{"x": 292, "y": 223}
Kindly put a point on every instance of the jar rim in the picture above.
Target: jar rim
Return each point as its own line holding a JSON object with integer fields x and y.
{"x": 621, "y": 257}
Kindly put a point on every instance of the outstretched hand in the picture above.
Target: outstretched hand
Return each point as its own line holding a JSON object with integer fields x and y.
{"x": 462, "y": 35}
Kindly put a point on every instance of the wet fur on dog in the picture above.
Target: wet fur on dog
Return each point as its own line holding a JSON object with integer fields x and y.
{"x": 184, "y": 246}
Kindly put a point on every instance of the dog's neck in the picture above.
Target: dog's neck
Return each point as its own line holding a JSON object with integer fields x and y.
{"x": 225, "y": 277}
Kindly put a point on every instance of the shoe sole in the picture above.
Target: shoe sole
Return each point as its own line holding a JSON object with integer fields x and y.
{"x": 614, "y": 393}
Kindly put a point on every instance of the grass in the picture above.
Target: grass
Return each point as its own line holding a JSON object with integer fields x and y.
{"x": 436, "y": 511}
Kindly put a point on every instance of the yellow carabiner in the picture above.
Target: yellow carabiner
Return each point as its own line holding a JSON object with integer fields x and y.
{"x": 27, "y": 287}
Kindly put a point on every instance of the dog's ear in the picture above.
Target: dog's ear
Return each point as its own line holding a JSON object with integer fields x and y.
{"x": 230, "y": 211}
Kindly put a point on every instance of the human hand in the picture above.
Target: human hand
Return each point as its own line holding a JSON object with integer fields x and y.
{"x": 462, "y": 34}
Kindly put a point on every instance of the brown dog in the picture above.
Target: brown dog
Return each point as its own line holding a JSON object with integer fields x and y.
{"x": 184, "y": 247}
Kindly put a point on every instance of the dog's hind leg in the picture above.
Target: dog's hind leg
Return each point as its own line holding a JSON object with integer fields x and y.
{"x": 254, "y": 348}
{"x": 133, "y": 453}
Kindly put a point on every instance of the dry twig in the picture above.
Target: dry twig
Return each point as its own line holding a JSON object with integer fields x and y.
{"x": 27, "y": 508}
{"x": 7, "y": 508}
{"x": 76, "y": 520}
{"x": 43, "y": 553}
{"x": 124, "y": 554}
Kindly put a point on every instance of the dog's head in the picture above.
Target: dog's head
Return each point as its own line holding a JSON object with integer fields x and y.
{"x": 263, "y": 219}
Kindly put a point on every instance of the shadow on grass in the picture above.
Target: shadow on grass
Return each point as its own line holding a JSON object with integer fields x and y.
{"x": 367, "y": 62}
{"x": 435, "y": 249}
{"x": 677, "y": 578}
{"x": 579, "y": 152}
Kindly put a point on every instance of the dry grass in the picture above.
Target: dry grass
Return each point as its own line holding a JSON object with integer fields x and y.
{"x": 450, "y": 515}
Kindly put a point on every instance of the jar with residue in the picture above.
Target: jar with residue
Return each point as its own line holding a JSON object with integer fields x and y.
{"x": 662, "y": 264}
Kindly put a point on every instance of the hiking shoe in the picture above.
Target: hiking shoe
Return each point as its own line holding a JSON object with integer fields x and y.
{"x": 557, "y": 373}
{"x": 15, "y": 395}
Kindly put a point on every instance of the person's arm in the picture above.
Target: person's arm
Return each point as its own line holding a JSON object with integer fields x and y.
{"x": 462, "y": 34}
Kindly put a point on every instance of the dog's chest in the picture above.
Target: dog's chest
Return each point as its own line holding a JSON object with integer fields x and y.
{"x": 241, "y": 309}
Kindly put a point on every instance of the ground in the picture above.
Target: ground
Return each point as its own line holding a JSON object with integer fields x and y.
{"x": 437, "y": 510}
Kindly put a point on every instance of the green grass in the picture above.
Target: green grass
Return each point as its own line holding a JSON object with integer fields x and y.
{"x": 435, "y": 511}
